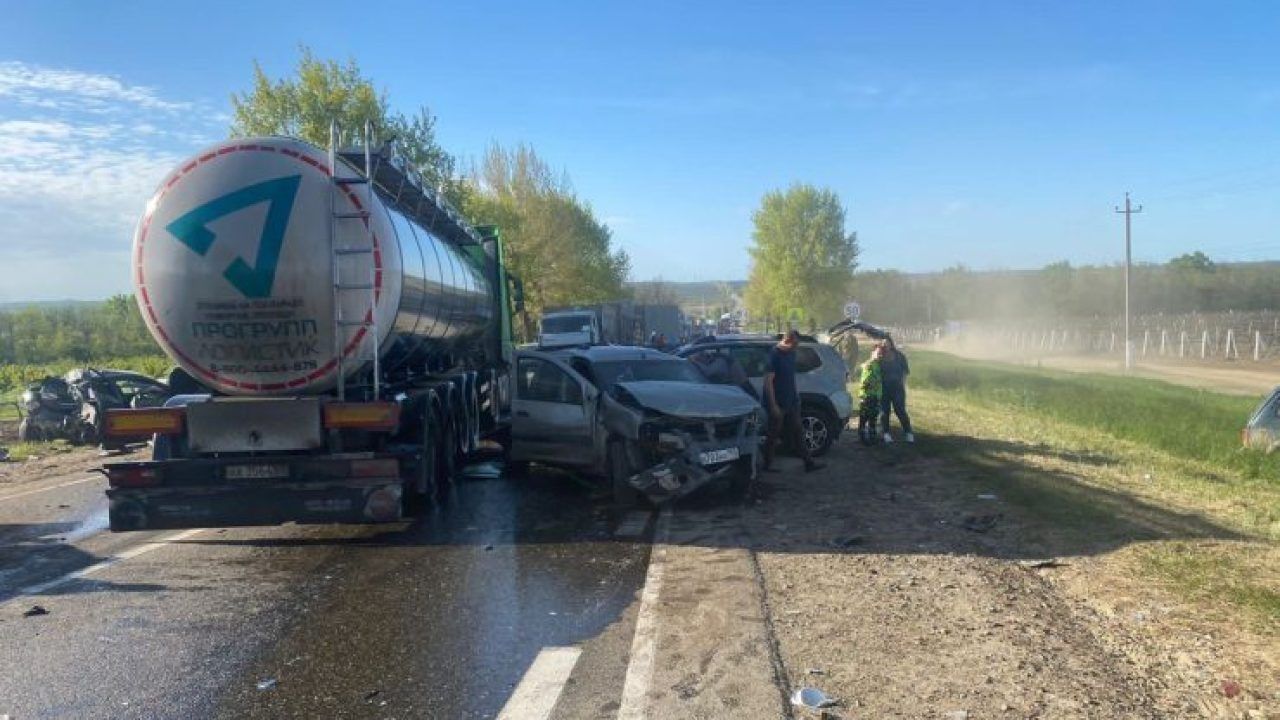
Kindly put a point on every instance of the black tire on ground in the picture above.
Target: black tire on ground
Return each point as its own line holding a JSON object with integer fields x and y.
{"x": 819, "y": 429}
{"x": 29, "y": 431}
{"x": 620, "y": 472}
{"x": 740, "y": 477}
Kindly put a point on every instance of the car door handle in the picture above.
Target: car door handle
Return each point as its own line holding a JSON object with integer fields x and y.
{"x": 521, "y": 413}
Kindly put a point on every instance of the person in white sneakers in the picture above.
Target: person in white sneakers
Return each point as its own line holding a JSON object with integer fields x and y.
{"x": 893, "y": 376}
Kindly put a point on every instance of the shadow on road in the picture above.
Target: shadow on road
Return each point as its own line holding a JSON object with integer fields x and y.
{"x": 35, "y": 553}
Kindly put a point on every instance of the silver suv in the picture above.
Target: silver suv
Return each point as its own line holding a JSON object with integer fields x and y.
{"x": 821, "y": 377}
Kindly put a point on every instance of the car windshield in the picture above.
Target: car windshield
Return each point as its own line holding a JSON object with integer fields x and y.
{"x": 610, "y": 373}
{"x": 565, "y": 323}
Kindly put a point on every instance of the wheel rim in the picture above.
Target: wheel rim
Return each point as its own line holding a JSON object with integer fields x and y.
{"x": 815, "y": 432}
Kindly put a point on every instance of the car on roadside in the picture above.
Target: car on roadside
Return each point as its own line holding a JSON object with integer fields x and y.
{"x": 645, "y": 421}
{"x": 822, "y": 377}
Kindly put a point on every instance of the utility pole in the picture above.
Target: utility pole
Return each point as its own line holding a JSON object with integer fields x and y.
{"x": 1128, "y": 212}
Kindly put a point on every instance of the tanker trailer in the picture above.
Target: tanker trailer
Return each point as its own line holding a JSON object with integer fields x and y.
{"x": 345, "y": 332}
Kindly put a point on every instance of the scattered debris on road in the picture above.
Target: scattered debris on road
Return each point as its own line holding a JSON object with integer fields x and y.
{"x": 980, "y": 523}
{"x": 266, "y": 683}
{"x": 813, "y": 699}
{"x": 35, "y": 610}
{"x": 1043, "y": 564}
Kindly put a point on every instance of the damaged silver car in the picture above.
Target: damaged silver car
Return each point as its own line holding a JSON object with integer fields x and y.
{"x": 647, "y": 422}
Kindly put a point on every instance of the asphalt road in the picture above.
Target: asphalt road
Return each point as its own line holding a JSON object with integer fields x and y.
{"x": 514, "y": 587}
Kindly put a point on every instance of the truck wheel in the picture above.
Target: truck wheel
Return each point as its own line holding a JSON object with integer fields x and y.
{"x": 620, "y": 472}
{"x": 447, "y": 456}
{"x": 427, "y": 478}
{"x": 819, "y": 429}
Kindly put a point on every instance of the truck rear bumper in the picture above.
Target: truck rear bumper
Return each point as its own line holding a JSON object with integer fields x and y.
{"x": 198, "y": 493}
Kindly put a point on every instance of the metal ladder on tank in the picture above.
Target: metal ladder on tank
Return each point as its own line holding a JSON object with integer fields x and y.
{"x": 368, "y": 320}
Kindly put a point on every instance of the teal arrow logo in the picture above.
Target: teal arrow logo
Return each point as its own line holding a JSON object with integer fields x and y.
{"x": 252, "y": 281}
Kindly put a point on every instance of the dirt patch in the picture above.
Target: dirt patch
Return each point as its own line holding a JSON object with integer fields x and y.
{"x": 1241, "y": 377}
{"x": 901, "y": 581}
{"x": 49, "y": 469}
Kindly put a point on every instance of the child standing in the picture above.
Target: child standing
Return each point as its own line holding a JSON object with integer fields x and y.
{"x": 869, "y": 389}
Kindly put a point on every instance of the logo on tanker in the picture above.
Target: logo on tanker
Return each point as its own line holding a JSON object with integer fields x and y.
{"x": 253, "y": 281}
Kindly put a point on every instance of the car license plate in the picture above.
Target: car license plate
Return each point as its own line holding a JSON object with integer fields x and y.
{"x": 711, "y": 457}
{"x": 261, "y": 471}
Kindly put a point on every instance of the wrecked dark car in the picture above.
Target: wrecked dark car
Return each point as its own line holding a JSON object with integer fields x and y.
{"x": 74, "y": 406}
{"x": 648, "y": 423}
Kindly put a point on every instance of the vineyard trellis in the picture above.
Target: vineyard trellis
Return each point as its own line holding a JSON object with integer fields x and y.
{"x": 1228, "y": 336}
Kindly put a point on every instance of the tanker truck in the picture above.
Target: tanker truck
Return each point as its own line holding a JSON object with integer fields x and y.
{"x": 342, "y": 333}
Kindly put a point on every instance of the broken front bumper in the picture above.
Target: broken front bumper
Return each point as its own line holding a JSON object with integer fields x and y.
{"x": 684, "y": 473}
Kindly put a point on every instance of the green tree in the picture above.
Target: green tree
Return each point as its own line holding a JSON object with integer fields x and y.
{"x": 320, "y": 91}
{"x": 554, "y": 243}
{"x": 802, "y": 260}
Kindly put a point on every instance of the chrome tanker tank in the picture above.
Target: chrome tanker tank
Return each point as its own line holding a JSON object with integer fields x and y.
{"x": 236, "y": 259}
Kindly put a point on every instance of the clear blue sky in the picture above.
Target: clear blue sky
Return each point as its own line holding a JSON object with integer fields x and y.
{"x": 994, "y": 134}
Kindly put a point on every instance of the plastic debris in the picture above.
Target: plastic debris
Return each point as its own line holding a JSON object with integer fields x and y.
{"x": 1043, "y": 564}
{"x": 1231, "y": 689}
{"x": 816, "y": 671}
{"x": 35, "y": 610}
{"x": 369, "y": 696}
{"x": 979, "y": 523}
{"x": 812, "y": 699}
{"x": 988, "y": 496}
{"x": 266, "y": 683}
{"x": 956, "y": 715}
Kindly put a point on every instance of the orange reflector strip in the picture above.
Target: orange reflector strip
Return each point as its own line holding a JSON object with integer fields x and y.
{"x": 144, "y": 421}
{"x": 362, "y": 416}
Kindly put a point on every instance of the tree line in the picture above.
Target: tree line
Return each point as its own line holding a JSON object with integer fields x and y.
{"x": 1191, "y": 283}
{"x": 554, "y": 242}
{"x": 85, "y": 333}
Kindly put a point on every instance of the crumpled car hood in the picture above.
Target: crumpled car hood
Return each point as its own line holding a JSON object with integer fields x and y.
{"x": 691, "y": 400}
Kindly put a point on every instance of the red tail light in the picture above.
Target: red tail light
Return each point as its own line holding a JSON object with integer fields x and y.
{"x": 132, "y": 476}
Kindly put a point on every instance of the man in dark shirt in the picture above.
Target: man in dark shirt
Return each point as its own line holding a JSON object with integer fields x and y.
{"x": 783, "y": 402}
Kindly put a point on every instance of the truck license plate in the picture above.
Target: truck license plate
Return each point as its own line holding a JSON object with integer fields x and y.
{"x": 711, "y": 457}
{"x": 261, "y": 471}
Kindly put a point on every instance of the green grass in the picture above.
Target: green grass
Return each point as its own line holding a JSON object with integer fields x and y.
{"x": 27, "y": 450}
{"x": 1114, "y": 462}
{"x": 1183, "y": 422}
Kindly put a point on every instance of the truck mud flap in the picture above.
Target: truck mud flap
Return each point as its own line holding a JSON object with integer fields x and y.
{"x": 675, "y": 478}
{"x": 352, "y": 501}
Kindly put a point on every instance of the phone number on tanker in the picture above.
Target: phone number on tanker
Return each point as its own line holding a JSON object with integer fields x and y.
{"x": 264, "y": 368}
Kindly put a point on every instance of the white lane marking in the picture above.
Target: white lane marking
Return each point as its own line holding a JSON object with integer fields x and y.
{"x": 15, "y": 496}
{"x": 539, "y": 690}
{"x": 633, "y": 525}
{"x": 635, "y": 690}
{"x": 132, "y": 552}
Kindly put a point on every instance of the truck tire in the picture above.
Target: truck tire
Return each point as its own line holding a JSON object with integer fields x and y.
{"x": 428, "y": 476}
{"x": 447, "y": 455}
{"x": 819, "y": 428}
{"x": 620, "y": 472}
